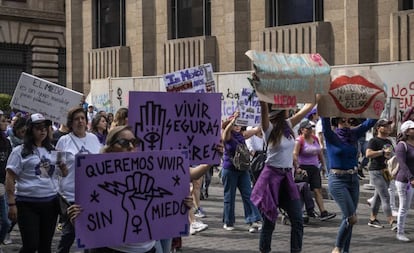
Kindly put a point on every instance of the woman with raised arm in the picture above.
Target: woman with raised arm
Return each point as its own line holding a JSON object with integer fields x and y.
{"x": 343, "y": 181}
{"x": 276, "y": 187}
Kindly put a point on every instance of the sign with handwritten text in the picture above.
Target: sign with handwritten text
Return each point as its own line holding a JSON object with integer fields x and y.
{"x": 131, "y": 197}
{"x": 177, "y": 120}
{"x": 195, "y": 79}
{"x": 355, "y": 92}
{"x": 249, "y": 107}
{"x": 36, "y": 95}
{"x": 288, "y": 79}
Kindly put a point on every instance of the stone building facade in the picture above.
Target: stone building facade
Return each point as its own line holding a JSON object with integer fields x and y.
{"x": 115, "y": 38}
{"x": 32, "y": 39}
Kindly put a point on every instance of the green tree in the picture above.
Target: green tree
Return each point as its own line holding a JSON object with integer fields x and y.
{"x": 5, "y": 102}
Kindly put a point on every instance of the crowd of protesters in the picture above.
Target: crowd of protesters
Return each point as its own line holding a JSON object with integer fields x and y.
{"x": 294, "y": 147}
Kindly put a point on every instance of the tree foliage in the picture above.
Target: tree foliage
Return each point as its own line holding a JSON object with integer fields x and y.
{"x": 5, "y": 102}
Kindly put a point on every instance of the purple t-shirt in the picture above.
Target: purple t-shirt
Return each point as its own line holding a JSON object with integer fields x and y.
{"x": 230, "y": 149}
{"x": 308, "y": 154}
{"x": 405, "y": 160}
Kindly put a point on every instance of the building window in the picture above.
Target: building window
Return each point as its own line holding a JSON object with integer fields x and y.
{"x": 62, "y": 66}
{"x": 14, "y": 59}
{"x": 291, "y": 12}
{"x": 190, "y": 18}
{"x": 110, "y": 23}
{"x": 407, "y": 5}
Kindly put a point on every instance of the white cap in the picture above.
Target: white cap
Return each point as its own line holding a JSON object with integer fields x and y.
{"x": 91, "y": 105}
{"x": 38, "y": 118}
{"x": 407, "y": 125}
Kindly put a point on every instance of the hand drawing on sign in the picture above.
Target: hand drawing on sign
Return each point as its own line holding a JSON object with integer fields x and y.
{"x": 152, "y": 123}
{"x": 137, "y": 191}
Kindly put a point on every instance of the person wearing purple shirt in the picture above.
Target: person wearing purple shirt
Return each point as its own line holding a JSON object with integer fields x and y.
{"x": 404, "y": 180}
{"x": 343, "y": 182}
{"x": 233, "y": 178}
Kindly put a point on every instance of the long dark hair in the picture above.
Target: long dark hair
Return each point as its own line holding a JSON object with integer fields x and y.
{"x": 28, "y": 141}
{"x": 279, "y": 127}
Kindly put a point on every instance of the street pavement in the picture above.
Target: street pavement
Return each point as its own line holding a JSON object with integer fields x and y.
{"x": 318, "y": 236}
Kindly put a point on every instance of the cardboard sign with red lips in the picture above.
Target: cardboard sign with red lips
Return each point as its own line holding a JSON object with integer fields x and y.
{"x": 287, "y": 79}
{"x": 355, "y": 93}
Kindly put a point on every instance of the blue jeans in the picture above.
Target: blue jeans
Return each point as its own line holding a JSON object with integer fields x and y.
{"x": 381, "y": 195}
{"x": 4, "y": 220}
{"x": 233, "y": 179}
{"x": 294, "y": 211}
{"x": 345, "y": 191}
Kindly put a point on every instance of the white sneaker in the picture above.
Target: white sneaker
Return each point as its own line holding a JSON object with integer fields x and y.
{"x": 198, "y": 226}
{"x": 403, "y": 238}
{"x": 395, "y": 212}
{"x": 255, "y": 227}
{"x": 228, "y": 227}
{"x": 7, "y": 240}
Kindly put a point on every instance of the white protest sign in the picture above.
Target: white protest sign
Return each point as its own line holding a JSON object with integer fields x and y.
{"x": 36, "y": 95}
{"x": 195, "y": 79}
{"x": 288, "y": 79}
{"x": 355, "y": 93}
{"x": 249, "y": 107}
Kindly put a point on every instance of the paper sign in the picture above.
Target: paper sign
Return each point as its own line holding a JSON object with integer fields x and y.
{"x": 288, "y": 79}
{"x": 131, "y": 197}
{"x": 178, "y": 120}
{"x": 36, "y": 95}
{"x": 249, "y": 108}
{"x": 195, "y": 79}
{"x": 353, "y": 93}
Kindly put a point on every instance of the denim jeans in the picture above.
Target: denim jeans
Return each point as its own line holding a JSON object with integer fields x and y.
{"x": 4, "y": 220}
{"x": 233, "y": 179}
{"x": 37, "y": 224}
{"x": 381, "y": 195}
{"x": 345, "y": 191}
{"x": 294, "y": 211}
{"x": 405, "y": 196}
{"x": 163, "y": 246}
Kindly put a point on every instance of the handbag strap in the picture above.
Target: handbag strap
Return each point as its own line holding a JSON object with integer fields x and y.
{"x": 74, "y": 142}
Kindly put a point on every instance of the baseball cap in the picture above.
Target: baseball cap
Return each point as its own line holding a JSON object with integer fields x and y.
{"x": 37, "y": 118}
{"x": 407, "y": 125}
{"x": 91, "y": 105}
{"x": 273, "y": 113}
{"x": 383, "y": 122}
{"x": 306, "y": 124}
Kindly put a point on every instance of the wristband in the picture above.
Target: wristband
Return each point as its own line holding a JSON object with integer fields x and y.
{"x": 383, "y": 152}
{"x": 12, "y": 204}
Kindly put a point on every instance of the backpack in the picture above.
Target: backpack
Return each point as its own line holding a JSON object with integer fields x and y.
{"x": 241, "y": 158}
{"x": 392, "y": 163}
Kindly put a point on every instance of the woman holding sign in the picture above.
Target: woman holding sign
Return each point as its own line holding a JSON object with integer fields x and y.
{"x": 276, "y": 187}
{"x": 343, "y": 181}
{"x": 122, "y": 139}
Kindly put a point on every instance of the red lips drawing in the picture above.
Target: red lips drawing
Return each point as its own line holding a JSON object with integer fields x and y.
{"x": 354, "y": 94}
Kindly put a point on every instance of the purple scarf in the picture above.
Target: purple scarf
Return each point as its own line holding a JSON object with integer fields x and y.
{"x": 346, "y": 135}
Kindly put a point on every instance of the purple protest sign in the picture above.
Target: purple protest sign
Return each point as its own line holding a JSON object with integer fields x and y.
{"x": 131, "y": 197}
{"x": 167, "y": 120}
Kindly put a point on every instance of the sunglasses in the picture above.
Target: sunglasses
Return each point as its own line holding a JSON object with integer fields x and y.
{"x": 124, "y": 143}
{"x": 349, "y": 121}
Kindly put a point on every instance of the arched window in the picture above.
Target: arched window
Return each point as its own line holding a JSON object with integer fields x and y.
{"x": 281, "y": 12}
{"x": 14, "y": 59}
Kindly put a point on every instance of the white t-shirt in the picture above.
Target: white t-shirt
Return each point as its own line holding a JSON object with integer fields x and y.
{"x": 73, "y": 145}
{"x": 281, "y": 155}
{"x": 36, "y": 175}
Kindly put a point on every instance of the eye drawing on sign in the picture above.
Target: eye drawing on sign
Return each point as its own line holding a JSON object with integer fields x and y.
{"x": 137, "y": 191}
{"x": 152, "y": 124}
